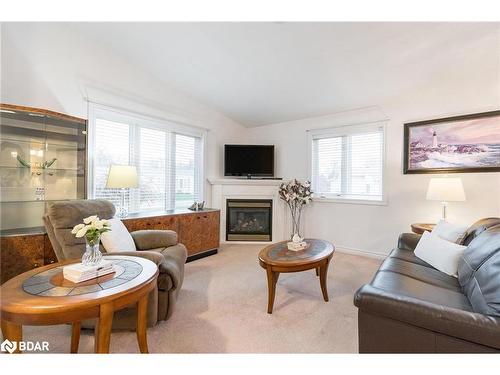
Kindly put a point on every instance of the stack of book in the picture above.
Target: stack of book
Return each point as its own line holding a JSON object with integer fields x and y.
{"x": 78, "y": 272}
{"x": 296, "y": 246}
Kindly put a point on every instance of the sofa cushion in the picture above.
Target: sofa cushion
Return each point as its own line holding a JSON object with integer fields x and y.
{"x": 118, "y": 238}
{"x": 439, "y": 253}
{"x": 449, "y": 232}
{"x": 422, "y": 283}
{"x": 408, "y": 256}
{"x": 477, "y": 228}
{"x": 67, "y": 214}
{"x": 479, "y": 272}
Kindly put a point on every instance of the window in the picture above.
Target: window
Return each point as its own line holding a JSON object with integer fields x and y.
{"x": 168, "y": 157}
{"x": 347, "y": 162}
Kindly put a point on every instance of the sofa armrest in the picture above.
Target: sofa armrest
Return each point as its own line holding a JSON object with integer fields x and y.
{"x": 154, "y": 239}
{"x": 408, "y": 241}
{"x": 153, "y": 256}
{"x": 167, "y": 273}
{"x": 466, "y": 325}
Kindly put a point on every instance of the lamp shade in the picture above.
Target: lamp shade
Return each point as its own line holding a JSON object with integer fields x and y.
{"x": 446, "y": 189}
{"x": 122, "y": 176}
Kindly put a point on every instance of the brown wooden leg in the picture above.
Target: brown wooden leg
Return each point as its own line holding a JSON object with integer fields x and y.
{"x": 272, "y": 279}
{"x": 13, "y": 333}
{"x": 317, "y": 271}
{"x": 103, "y": 328}
{"x": 75, "y": 336}
{"x": 142, "y": 323}
{"x": 323, "y": 270}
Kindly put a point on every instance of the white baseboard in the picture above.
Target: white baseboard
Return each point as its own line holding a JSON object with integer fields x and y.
{"x": 340, "y": 249}
{"x": 366, "y": 253}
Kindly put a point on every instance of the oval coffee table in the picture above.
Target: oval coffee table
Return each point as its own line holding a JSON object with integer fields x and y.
{"x": 276, "y": 258}
{"x": 43, "y": 297}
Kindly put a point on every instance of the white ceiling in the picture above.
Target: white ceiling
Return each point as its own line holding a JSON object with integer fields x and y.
{"x": 262, "y": 73}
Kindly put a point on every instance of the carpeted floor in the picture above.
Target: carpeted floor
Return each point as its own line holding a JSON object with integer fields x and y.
{"x": 222, "y": 309}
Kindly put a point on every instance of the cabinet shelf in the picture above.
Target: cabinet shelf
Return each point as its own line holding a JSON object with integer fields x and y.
{"x": 43, "y": 142}
{"x": 41, "y": 133}
{"x": 37, "y": 201}
{"x": 46, "y": 170}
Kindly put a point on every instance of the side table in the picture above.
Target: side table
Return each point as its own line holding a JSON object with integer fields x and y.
{"x": 420, "y": 228}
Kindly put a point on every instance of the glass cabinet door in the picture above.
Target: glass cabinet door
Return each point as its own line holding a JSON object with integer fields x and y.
{"x": 42, "y": 158}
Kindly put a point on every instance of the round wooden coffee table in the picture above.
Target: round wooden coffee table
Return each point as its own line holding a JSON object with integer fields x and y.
{"x": 276, "y": 258}
{"x": 43, "y": 297}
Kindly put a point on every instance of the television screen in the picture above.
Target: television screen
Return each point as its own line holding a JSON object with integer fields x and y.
{"x": 249, "y": 160}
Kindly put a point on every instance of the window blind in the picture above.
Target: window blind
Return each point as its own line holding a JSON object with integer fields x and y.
{"x": 347, "y": 162}
{"x": 112, "y": 141}
{"x": 187, "y": 168}
{"x": 169, "y": 163}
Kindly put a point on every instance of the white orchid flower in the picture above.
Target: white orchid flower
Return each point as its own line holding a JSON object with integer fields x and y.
{"x": 90, "y": 219}
{"x": 82, "y": 231}
{"x": 76, "y": 228}
{"x": 97, "y": 224}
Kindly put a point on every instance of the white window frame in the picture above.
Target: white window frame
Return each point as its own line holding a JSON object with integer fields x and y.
{"x": 341, "y": 131}
{"x": 96, "y": 110}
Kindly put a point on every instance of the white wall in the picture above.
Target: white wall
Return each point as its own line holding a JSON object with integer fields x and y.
{"x": 372, "y": 228}
{"x": 50, "y": 66}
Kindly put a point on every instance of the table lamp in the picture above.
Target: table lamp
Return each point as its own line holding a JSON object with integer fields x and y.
{"x": 122, "y": 177}
{"x": 445, "y": 189}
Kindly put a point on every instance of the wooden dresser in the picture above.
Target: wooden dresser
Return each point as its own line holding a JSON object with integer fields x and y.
{"x": 24, "y": 250}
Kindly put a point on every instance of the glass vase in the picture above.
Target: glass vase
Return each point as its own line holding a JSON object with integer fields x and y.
{"x": 296, "y": 225}
{"x": 92, "y": 255}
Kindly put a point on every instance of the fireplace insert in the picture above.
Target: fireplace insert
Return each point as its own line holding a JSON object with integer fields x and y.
{"x": 249, "y": 219}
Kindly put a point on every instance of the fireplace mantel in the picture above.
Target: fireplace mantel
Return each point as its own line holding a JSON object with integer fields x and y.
{"x": 244, "y": 181}
{"x": 236, "y": 188}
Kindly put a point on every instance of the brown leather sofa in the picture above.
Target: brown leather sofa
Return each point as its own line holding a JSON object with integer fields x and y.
{"x": 411, "y": 307}
{"x": 159, "y": 246}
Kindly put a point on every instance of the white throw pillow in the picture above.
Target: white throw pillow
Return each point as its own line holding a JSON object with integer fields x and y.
{"x": 440, "y": 254}
{"x": 118, "y": 239}
{"x": 449, "y": 232}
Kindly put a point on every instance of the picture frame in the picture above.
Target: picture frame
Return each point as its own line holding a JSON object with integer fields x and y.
{"x": 459, "y": 144}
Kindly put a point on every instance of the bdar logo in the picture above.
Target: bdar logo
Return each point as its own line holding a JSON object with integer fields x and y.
{"x": 8, "y": 346}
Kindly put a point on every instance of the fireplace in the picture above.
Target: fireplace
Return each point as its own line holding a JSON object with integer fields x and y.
{"x": 249, "y": 219}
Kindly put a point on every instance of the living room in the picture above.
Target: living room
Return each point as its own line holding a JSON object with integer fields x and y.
{"x": 250, "y": 187}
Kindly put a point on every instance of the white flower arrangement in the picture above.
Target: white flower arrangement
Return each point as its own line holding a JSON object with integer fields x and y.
{"x": 92, "y": 228}
{"x": 296, "y": 195}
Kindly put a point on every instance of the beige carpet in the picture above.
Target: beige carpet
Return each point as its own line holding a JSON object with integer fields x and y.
{"x": 222, "y": 309}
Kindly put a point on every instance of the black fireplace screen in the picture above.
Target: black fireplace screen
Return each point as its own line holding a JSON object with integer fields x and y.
{"x": 249, "y": 220}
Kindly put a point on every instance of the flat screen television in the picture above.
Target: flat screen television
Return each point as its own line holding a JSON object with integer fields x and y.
{"x": 249, "y": 160}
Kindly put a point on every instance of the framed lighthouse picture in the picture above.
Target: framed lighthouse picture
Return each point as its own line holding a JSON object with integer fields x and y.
{"x": 469, "y": 143}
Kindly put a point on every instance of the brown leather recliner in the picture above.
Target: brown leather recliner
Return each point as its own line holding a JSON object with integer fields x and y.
{"x": 411, "y": 307}
{"x": 159, "y": 246}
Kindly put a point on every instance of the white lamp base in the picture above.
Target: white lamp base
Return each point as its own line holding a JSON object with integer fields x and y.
{"x": 444, "y": 204}
{"x": 122, "y": 211}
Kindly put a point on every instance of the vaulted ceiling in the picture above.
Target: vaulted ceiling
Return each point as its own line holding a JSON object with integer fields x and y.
{"x": 262, "y": 73}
